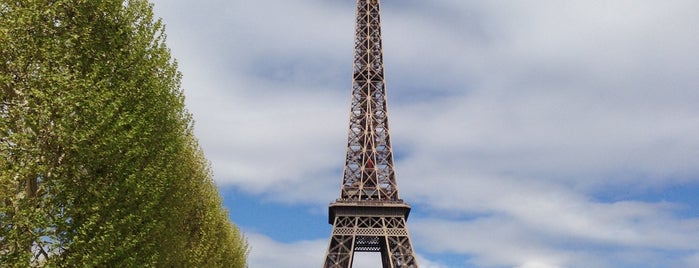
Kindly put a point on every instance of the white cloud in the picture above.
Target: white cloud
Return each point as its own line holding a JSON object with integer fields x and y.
{"x": 429, "y": 263}
{"x": 536, "y": 264}
{"x": 265, "y": 252}
{"x": 692, "y": 261}
{"x": 562, "y": 114}
{"x": 512, "y": 223}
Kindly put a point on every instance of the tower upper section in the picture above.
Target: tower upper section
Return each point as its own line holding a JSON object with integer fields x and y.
{"x": 369, "y": 170}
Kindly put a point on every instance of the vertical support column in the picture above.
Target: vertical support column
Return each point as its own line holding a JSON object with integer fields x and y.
{"x": 386, "y": 256}
{"x": 341, "y": 249}
{"x": 340, "y": 252}
{"x": 401, "y": 252}
{"x": 398, "y": 245}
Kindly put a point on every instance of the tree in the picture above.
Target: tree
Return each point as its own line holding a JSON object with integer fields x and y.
{"x": 99, "y": 163}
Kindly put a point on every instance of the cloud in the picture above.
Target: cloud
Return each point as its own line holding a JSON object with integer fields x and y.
{"x": 516, "y": 89}
{"x": 500, "y": 241}
{"x": 504, "y": 221}
{"x": 692, "y": 261}
{"x": 265, "y": 252}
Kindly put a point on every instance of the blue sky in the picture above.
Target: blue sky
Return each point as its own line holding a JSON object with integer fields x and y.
{"x": 527, "y": 134}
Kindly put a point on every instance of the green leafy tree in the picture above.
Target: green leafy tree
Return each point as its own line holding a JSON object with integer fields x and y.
{"x": 99, "y": 166}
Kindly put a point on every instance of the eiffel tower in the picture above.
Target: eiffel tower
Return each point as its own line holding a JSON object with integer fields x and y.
{"x": 369, "y": 216}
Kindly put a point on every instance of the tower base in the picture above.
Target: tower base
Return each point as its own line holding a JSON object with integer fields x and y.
{"x": 363, "y": 227}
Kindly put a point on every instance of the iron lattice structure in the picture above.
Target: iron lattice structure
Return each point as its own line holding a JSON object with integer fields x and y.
{"x": 369, "y": 216}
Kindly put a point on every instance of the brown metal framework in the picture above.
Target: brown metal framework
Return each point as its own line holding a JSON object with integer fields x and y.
{"x": 369, "y": 216}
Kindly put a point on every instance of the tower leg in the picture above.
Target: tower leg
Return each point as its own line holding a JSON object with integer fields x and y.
{"x": 340, "y": 252}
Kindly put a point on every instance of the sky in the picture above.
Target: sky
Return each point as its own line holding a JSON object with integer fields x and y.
{"x": 526, "y": 133}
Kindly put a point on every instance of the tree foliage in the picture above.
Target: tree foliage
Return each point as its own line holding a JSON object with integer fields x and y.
{"x": 99, "y": 166}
